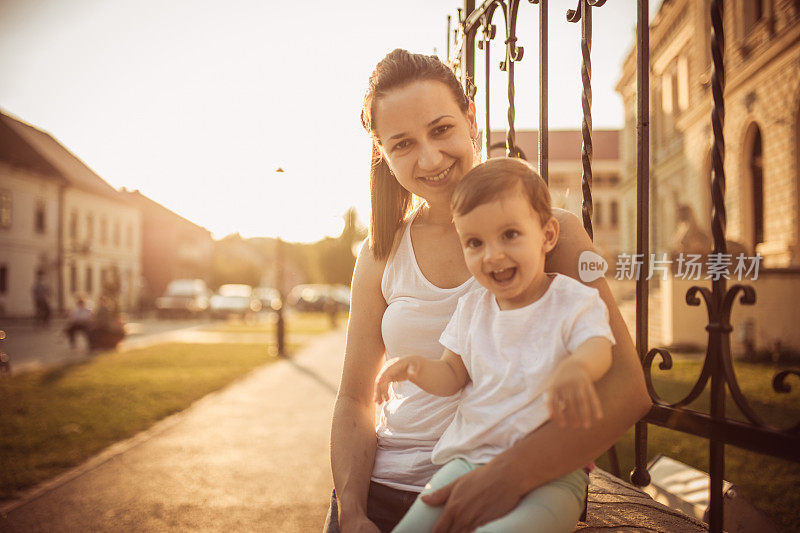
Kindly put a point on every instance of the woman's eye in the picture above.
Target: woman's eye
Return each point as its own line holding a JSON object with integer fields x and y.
{"x": 440, "y": 130}
{"x": 473, "y": 243}
{"x": 510, "y": 234}
{"x": 402, "y": 144}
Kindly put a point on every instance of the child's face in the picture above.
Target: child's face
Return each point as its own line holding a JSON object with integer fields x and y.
{"x": 504, "y": 244}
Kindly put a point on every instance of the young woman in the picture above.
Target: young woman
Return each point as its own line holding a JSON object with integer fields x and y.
{"x": 406, "y": 284}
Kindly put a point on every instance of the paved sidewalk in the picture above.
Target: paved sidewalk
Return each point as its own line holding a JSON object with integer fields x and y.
{"x": 252, "y": 457}
{"x": 30, "y": 347}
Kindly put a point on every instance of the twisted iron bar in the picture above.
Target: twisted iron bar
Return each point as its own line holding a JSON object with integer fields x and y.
{"x": 514, "y": 53}
{"x": 583, "y": 13}
{"x": 719, "y": 219}
{"x": 489, "y": 31}
{"x": 718, "y": 335}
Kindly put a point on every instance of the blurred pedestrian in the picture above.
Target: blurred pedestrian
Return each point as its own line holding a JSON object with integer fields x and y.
{"x": 41, "y": 299}
{"x": 79, "y": 320}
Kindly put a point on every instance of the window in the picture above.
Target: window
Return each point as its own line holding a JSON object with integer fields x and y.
{"x": 614, "y": 214}
{"x": 103, "y": 230}
{"x": 89, "y": 277}
{"x": 3, "y": 279}
{"x": 757, "y": 173}
{"x": 39, "y": 217}
{"x": 73, "y": 225}
{"x": 666, "y": 93}
{"x": 753, "y": 12}
{"x": 683, "y": 83}
{"x": 73, "y": 278}
{"x": 116, "y": 233}
{"x": 598, "y": 214}
{"x": 89, "y": 227}
{"x": 5, "y": 209}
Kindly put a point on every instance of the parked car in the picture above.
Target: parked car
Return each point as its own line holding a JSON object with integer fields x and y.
{"x": 341, "y": 295}
{"x": 234, "y": 299}
{"x": 320, "y": 298}
{"x": 270, "y": 298}
{"x": 309, "y": 297}
{"x": 184, "y": 297}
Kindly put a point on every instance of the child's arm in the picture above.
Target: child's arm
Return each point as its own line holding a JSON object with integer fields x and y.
{"x": 444, "y": 377}
{"x": 571, "y": 395}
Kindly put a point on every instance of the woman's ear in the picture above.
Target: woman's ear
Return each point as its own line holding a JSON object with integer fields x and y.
{"x": 550, "y": 230}
{"x": 473, "y": 121}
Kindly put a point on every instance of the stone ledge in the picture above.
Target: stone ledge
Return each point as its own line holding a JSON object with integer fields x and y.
{"x": 615, "y": 505}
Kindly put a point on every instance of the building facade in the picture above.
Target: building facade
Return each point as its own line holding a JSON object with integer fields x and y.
{"x": 29, "y": 203}
{"x": 70, "y": 223}
{"x": 762, "y": 125}
{"x": 172, "y": 247}
{"x": 565, "y": 175}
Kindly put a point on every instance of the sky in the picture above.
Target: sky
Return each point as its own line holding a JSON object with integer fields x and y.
{"x": 196, "y": 103}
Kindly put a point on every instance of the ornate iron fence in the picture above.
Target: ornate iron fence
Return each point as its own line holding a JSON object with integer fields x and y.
{"x": 476, "y": 28}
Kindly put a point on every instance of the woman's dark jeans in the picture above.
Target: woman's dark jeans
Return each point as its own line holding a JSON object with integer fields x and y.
{"x": 385, "y": 507}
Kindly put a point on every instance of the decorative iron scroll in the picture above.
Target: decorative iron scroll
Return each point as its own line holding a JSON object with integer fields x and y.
{"x": 481, "y": 17}
{"x": 719, "y": 320}
{"x": 717, "y": 366}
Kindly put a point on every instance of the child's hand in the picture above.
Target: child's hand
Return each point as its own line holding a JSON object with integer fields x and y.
{"x": 571, "y": 396}
{"x": 400, "y": 369}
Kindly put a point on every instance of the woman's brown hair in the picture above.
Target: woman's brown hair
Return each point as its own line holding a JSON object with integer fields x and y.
{"x": 391, "y": 202}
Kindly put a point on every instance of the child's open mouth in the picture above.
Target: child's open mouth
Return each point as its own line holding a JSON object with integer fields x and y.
{"x": 503, "y": 275}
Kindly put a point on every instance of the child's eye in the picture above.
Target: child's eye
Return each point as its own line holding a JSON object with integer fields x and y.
{"x": 511, "y": 234}
{"x": 473, "y": 243}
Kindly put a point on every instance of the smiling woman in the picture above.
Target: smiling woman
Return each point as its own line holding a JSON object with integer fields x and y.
{"x": 407, "y": 282}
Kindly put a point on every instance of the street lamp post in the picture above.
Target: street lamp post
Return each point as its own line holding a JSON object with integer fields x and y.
{"x": 280, "y": 326}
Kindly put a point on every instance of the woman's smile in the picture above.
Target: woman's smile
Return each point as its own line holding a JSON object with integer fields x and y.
{"x": 439, "y": 178}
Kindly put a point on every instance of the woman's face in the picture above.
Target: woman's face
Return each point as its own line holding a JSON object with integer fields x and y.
{"x": 426, "y": 138}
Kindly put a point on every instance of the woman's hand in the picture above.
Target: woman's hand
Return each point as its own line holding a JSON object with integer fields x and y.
{"x": 357, "y": 524}
{"x": 571, "y": 396}
{"x": 476, "y": 498}
{"x": 400, "y": 369}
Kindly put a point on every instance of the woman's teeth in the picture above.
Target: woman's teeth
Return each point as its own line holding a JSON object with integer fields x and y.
{"x": 440, "y": 176}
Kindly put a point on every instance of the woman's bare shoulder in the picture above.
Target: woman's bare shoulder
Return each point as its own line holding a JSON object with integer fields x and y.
{"x": 572, "y": 241}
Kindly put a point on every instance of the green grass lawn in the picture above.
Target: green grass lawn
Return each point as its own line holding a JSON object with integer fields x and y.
{"x": 770, "y": 484}
{"x": 52, "y": 420}
{"x": 298, "y": 323}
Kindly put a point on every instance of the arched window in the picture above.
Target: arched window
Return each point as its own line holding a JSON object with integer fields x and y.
{"x": 753, "y": 12}
{"x": 753, "y": 186}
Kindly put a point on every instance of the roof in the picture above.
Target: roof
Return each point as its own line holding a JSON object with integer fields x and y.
{"x": 151, "y": 209}
{"x": 565, "y": 145}
{"x": 52, "y": 153}
{"x": 15, "y": 151}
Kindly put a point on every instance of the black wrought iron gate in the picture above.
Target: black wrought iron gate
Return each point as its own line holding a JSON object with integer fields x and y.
{"x": 476, "y": 28}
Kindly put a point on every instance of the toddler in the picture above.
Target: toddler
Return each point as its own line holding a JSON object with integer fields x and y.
{"x": 525, "y": 347}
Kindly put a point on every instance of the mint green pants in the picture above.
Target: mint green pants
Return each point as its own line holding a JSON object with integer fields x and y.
{"x": 551, "y": 508}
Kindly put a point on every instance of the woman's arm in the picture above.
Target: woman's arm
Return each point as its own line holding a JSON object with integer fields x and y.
{"x": 353, "y": 438}
{"x": 551, "y": 451}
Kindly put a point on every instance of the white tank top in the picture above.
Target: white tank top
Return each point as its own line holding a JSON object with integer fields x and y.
{"x": 411, "y": 422}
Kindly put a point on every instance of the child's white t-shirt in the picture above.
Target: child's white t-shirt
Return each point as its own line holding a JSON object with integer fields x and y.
{"x": 509, "y": 355}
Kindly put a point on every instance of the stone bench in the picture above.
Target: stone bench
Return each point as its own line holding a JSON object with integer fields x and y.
{"x": 615, "y": 505}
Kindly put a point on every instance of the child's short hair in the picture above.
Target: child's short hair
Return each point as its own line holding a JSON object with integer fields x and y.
{"x": 487, "y": 181}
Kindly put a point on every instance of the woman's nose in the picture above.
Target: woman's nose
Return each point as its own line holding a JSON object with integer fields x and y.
{"x": 430, "y": 158}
